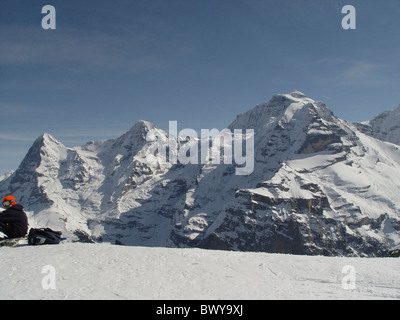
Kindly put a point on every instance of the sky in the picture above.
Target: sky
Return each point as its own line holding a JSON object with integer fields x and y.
{"x": 111, "y": 63}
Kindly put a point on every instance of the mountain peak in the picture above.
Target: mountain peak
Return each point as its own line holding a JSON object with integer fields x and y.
{"x": 135, "y": 138}
{"x": 46, "y": 138}
{"x": 142, "y": 126}
{"x": 138, "y": 131}
{"x": 297, "y": 94}
{"x": 278, "y": 107}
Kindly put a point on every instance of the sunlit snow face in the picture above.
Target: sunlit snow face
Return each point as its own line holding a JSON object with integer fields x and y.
{"x": 186, "y": 147}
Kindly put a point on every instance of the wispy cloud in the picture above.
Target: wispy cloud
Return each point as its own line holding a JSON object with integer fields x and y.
{"x": 16, "y": 137}
{"x": 349, "y": 72}
{"x": 70, "y": 49}
{"x": 74, "y": 137}
{"x": 17, "y": 110}
{"x": 363, "y": 73}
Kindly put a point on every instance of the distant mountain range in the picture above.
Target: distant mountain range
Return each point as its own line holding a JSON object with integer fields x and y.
{"x": 320, "y": 185}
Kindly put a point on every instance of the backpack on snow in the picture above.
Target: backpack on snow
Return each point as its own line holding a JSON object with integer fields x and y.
{"x": 44, "y": 236}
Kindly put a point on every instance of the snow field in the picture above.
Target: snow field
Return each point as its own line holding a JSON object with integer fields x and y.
{"x": 103, "y": 271}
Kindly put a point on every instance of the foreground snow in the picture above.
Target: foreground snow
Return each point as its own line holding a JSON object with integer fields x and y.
{"x": 102, "y": 271}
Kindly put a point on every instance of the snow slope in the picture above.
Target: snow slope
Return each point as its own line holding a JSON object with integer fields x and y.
{"x": 103, "y": 271}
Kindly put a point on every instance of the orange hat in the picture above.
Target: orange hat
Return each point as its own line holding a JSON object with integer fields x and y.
{"x": 11, "y": 199}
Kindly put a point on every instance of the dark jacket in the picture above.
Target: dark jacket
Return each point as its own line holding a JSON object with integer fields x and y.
{"x": 17, "y": 221}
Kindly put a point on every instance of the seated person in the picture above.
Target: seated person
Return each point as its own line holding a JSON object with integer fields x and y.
{"x": 13, "y": 221}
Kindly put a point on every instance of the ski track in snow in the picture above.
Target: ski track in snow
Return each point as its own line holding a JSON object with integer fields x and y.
{"x": 103, "y": 271}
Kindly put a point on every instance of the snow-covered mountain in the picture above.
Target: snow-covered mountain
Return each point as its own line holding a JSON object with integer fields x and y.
{"x": 385, "y": 126}
{"x": 319, "y": 186}
{"x": 6, "y": 175}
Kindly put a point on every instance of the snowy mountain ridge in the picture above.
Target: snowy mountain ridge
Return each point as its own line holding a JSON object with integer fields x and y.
{"x": 320, "y": 185}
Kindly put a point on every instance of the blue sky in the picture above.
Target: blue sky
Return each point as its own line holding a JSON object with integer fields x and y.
{"x": 199, "y": 62}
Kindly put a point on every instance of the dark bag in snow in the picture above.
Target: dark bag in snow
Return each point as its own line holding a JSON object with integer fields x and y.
{"x": 44, "y": 236}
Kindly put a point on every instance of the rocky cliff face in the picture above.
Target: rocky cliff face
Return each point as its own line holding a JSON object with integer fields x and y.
{"x": 319, "y": 186}
{"x": 326, "y": 194}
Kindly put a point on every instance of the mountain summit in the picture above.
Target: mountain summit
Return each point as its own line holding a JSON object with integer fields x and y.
{"x": 320, "y": 185}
